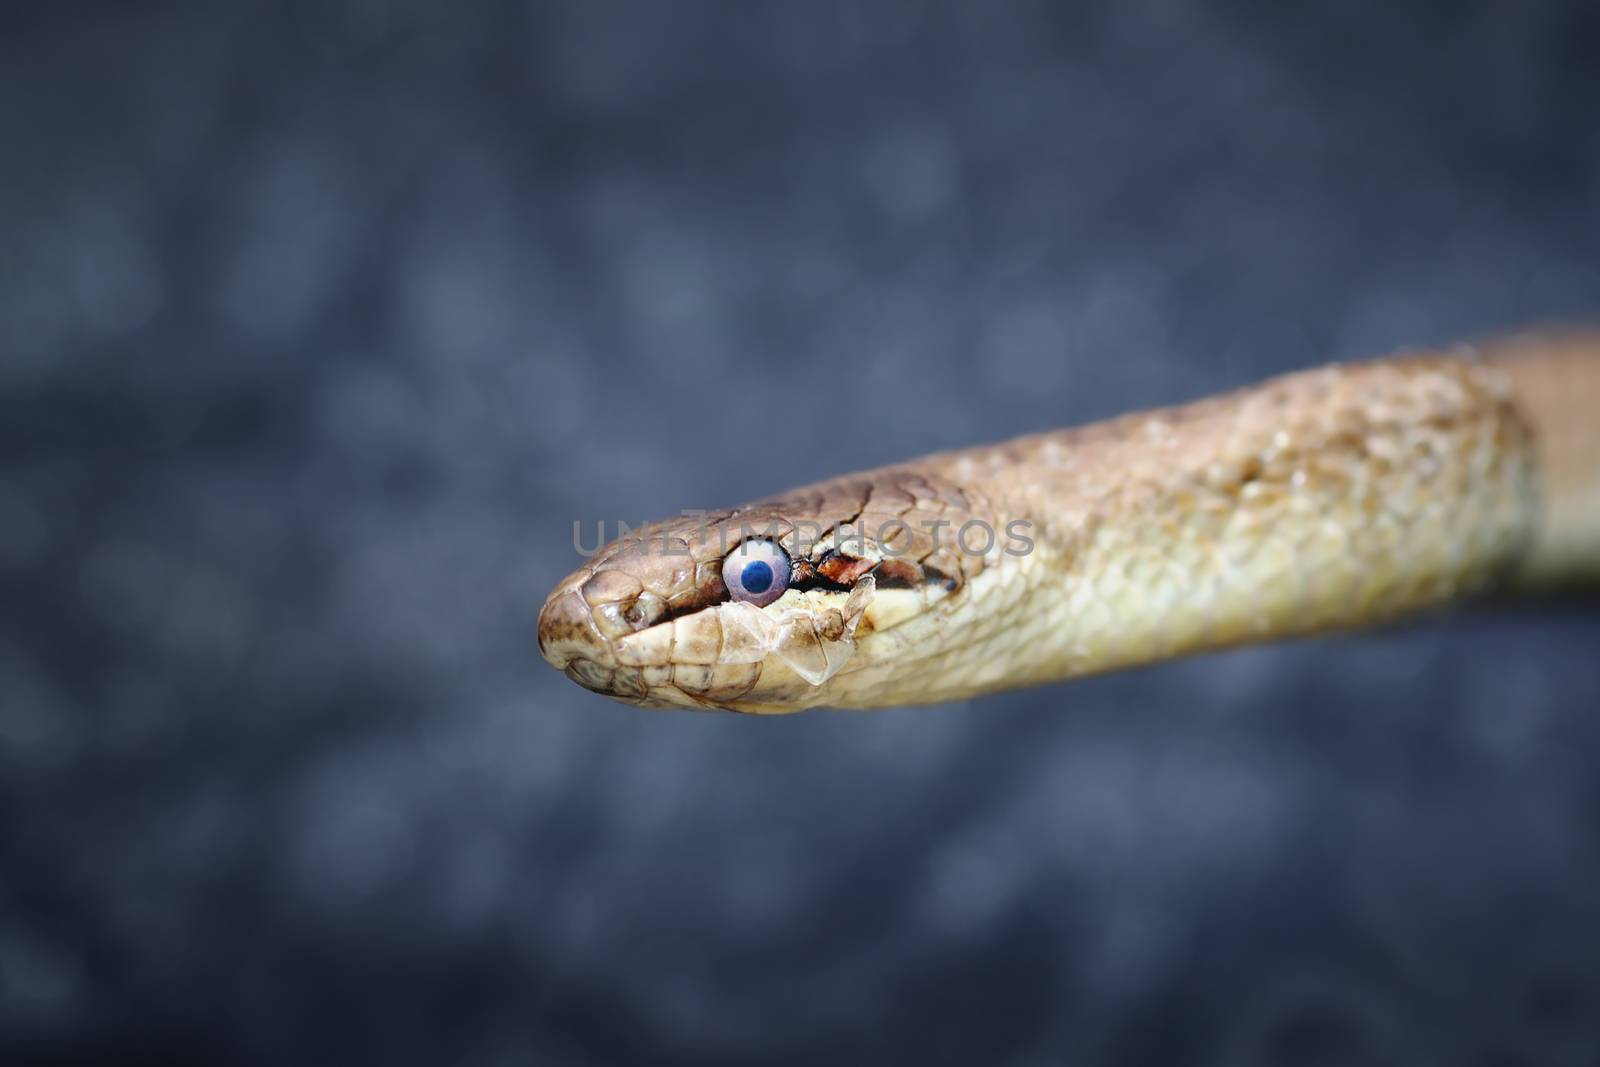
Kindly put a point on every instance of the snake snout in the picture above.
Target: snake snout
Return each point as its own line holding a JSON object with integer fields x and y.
{"x": 567, "y": 632}
{"x": 576, "y": 638}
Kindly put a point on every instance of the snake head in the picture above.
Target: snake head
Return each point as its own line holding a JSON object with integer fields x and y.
{"x": 661, "y": 617}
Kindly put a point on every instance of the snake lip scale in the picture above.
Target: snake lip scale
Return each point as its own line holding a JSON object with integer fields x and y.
{"x": 1324, "y": 499}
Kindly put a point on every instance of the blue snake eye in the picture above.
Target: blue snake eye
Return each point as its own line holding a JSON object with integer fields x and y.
{"x": 756, "y": 572}
{"x": 756, "y": 576}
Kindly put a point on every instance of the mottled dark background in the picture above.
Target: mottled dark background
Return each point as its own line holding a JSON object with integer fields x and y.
{"x": 320, "y": 323}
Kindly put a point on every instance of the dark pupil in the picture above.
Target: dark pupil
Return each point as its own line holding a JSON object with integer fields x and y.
{"x": 756, "y": 576}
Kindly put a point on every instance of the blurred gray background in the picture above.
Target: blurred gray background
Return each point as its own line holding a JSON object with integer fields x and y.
{"x": 320, "y": 323}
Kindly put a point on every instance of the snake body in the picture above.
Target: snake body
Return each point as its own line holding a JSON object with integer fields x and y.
{"x": 1325, "y": 499}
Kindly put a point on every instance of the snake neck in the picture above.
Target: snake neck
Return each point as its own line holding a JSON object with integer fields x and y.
{"x": 1321, "y": 500}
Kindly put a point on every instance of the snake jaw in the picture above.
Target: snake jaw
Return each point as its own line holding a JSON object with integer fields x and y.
{"x": 814, "y": 644}
{"x": 731, "y": 655}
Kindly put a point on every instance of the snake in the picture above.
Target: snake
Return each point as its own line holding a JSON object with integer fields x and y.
{"x": 1326, "y": 499}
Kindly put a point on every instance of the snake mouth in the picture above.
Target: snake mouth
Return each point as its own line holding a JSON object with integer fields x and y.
{"x": 731, "y": 655}
{"x": 637, "y": 668}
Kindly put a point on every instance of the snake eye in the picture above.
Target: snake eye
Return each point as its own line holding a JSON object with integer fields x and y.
{"x": 756, "y": 571}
